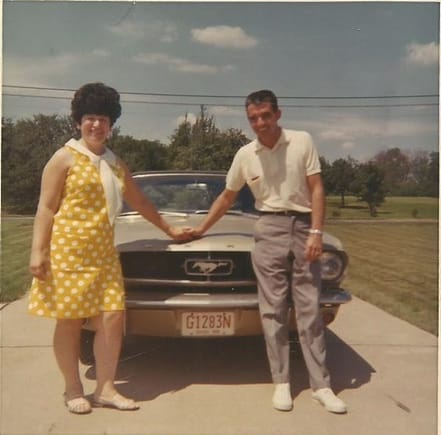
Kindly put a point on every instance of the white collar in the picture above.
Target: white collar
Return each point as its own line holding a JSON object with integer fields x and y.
{"x": 80, "y": 146}
{"x": 112, "y": 185}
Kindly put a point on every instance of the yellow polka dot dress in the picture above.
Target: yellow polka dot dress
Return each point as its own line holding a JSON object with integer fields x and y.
{"x": 85, "y": 275}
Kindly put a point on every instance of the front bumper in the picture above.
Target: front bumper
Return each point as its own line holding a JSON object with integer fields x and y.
{"x": 159, "y": 315}
{"x": 138, "y": 300}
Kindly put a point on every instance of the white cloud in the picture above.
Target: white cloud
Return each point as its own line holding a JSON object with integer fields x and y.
{"x": 28, "y": 70}
{"x": 176, "y": 63}
{"x": 191, "y": 118}
{"x": 45, "y": 71}
{"x": 169, "y": 33}
{"x": 227, "y": 68}
{"x": 334, "y": 134}
{"x": 348, "y": 145}
{"x": 224, "y": 36}
{"x": 422, "y": 54}
{"x": 340, "y": 135}
{"x": 135, "y": 30}
{"x": 188, "y": 67}
{"x": 129, "y": 30}
{"x": 349, "y": 127}
{"x": 225, "y": 111}
{"x": 100, "y": 53}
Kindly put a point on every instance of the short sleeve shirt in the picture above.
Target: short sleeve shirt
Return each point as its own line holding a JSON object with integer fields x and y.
{"x": 277, "y": 176}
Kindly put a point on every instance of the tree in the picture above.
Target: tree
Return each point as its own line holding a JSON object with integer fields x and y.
{"x": 326, "y": 173}
{"x": 369, "y": 186}
{"x": 395, "y": 166}
{"x": 433, "y": 175}
{"x": 139, "y": 155}
{"x": 342, "y": 174}
{"x": 26, "y": 147}
{"x": 179, "y": 150}
{"x": 423, "y": 177}
{"x": 203, "y": 146}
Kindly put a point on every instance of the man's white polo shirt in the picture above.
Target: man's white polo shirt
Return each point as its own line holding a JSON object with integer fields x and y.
{"x": 277, "y": 176}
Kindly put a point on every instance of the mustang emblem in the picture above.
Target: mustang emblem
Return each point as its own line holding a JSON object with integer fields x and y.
{"x": 210, "y": 267}
{"x": 206, "y": 267}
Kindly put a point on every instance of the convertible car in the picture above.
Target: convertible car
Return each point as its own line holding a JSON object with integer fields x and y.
{"x": 205, "y": 287}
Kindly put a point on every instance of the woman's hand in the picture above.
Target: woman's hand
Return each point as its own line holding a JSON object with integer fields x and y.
{"x": 180, "y": 233}
{"x": 39, "y": 264}
{"x": 195, "y": 232}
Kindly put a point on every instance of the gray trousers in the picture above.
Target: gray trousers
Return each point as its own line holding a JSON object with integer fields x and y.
{"x": 282, "y": 271}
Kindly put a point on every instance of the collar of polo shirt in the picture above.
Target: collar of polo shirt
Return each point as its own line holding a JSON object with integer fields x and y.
{"x": 281, "y": 141}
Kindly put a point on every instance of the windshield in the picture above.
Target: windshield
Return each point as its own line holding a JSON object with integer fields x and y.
{"x": 188, "y": 193}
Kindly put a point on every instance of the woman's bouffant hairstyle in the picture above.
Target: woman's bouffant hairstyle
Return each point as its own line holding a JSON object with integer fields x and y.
{"x": 96, "y": 99}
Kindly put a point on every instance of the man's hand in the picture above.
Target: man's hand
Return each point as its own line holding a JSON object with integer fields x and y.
{"x": 180, "y": 233}
{"x": 314, "y": 247}
{"x": 196, "y": 232}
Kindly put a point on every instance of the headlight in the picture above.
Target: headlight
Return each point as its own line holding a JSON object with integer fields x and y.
{"x": 333, "y": 265}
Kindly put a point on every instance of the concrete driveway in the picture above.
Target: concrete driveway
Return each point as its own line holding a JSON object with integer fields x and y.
{"x": 384, "y": 368}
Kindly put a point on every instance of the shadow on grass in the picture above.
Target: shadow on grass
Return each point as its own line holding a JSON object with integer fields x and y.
{"x": 151, "y": 367}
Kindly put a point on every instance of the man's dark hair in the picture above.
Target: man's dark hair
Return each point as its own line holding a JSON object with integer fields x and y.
{"x": 97, "y": 99}
{"x": 263, "y": 96}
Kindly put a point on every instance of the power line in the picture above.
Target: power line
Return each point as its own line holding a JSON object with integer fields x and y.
{"x": 180, "y": 103}
{"x": 163, "y": 94}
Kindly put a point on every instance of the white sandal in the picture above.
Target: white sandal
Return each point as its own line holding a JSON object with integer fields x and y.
{"x": 77, "y": 405}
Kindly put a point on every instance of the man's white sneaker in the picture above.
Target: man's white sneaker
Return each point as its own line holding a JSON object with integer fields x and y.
{"x": 329, "y": 400}
{"x": 282, "y": 399}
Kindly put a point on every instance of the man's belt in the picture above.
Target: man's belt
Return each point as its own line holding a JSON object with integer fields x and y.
{"x": 287, "y": 213}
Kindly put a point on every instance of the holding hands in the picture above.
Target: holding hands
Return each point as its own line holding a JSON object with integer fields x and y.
{"x": 184, "y": 233}
{"x": 180, "y": 233}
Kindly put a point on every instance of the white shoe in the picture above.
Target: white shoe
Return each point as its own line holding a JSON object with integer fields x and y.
{"x": 282, "y": 399}
{"x": 329, "y": 400}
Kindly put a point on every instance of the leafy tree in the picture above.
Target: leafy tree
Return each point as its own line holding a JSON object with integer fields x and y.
{"x": 328, "y": 181}
{"x": 139, "y": 155}
{"x": 203, "y": 146}
{"x": 26, "y": 147}
{"x": 433, "y": 175}
{"x": 8, "y": 133}
{"x": 395, "y": 166}
{"x": 369, "y": 186}
{"x": 179, "y": 150}
{"x": 218, "y": 154}
{"x": 423, "y": 179}
{"x": 342, "y": 174}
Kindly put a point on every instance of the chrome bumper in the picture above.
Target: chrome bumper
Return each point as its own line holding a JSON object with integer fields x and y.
{"x": 246, "y": 301}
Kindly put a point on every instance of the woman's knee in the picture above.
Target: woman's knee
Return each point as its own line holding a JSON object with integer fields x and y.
{"x": 70, "y": 325}
{"x": 109, "y": 320}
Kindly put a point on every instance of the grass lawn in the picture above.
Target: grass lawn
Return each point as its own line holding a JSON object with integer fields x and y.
{"x": 393, "y": 208}
{"x": 16, "y": 239}
{"x": 393, "y": 265}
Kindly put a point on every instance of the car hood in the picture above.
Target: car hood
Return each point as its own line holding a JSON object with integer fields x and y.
{"x": 230, "y": 233}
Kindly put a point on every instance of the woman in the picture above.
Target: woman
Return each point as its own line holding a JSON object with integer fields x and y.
{"x": 76, "y": 269}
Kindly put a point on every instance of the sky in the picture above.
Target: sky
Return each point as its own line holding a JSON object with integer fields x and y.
{"x": 168, "y": 58}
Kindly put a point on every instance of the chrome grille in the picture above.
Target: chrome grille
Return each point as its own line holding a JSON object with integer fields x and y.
{"x": 194, "y": 266}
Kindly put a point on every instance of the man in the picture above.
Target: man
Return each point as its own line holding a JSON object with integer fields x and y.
{"x": 282, "y": 169}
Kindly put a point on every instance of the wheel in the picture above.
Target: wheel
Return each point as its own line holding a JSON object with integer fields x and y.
{"x": 86, "y": 347}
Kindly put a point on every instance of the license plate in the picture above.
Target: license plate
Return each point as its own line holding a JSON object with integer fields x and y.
{"x": 206, "y": 324}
